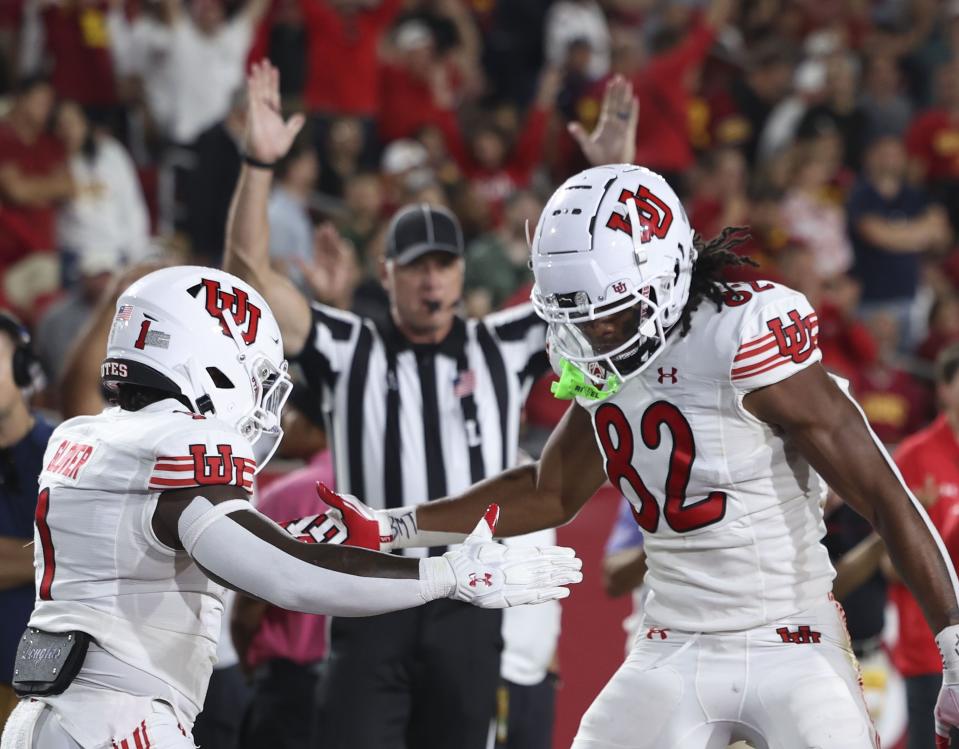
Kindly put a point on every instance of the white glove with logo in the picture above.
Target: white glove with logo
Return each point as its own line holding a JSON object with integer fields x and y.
{"x": 947, "y": 706}
{"x": 493, "y": 576}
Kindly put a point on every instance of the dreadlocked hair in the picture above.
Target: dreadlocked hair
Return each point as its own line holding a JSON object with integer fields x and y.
{"x": 713, "y": 258}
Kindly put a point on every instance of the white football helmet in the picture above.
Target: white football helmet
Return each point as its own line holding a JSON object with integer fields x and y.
{"x": 172, "y": 333}
{"x": 612, "y": 238}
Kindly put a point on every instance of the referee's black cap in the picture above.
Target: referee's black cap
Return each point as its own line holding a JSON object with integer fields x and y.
{"x": 420, "y": 228}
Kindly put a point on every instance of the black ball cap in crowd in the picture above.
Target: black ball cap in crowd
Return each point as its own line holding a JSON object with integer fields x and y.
{"x": 421, "y": 228}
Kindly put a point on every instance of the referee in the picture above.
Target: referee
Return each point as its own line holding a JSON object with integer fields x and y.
{"x": 424, "y": 405}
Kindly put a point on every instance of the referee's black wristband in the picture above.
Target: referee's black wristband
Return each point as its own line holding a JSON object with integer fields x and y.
{"x": 257, "y": 164}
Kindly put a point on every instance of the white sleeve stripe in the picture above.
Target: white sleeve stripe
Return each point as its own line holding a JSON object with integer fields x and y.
{"x": 754, "y": 352}
{"x": 748, "y": 345}
{"x": 756, "y": 367}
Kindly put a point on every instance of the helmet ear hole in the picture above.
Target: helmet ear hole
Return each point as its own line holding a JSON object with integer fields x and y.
{"x": 219, "y": 379}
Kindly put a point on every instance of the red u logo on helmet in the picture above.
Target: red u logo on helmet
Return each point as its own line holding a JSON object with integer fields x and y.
{"x": 246, "y": 315}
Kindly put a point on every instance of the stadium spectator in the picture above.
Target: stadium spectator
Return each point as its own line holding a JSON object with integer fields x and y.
{"x": 210, "y": 183}
{"x": 343, "y": 154}
{"x": 578, "y": 22}
{"x": 108, "y": 214}
{"x": 894, "y": 401}
{"x": 943, "y": 326}
{"x": 493, "y": 166}
{"x": 720, "y": 191}
{"x": 811, "y": 216}
{"x": 891, "y": 224}
{"x": 62, "y": 322}
{"x": 883, "y": 101}
{"x": 417, "y": 85}
{"x": 291, "y": 228}
{"x": 767, "y": 81}
{"x": 23, "y": 440}
{"x": 70, "y": 39}
{"x": 497, "y": 263}
{"x": 343, "y": 68}
{"x": 34, "y": 177}
{"x": 933, "y": 142}
{"x": 663, "y": 86}
{"x": 363, "y": 200}
{"x": 190, "y": 60}
{"x": 929, "y": 462}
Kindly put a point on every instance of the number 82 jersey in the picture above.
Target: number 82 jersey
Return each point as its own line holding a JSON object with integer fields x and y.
{"x": 731, "y": 513}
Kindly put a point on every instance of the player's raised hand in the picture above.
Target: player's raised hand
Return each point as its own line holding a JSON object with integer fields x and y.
{"x": 268, "y": 135}
{"x": 494, "y": 576}
{"x": 613, "y": 140}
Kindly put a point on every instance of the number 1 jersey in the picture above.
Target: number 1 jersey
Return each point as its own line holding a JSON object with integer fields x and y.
{"x": 731, "y": 512}
{"x": 100, "y": 567}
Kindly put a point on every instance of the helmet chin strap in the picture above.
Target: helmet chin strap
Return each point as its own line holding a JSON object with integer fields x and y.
{"x": 203, "y": 403}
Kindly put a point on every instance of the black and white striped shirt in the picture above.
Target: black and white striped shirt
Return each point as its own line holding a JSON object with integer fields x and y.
{"x": 411, "y": 422}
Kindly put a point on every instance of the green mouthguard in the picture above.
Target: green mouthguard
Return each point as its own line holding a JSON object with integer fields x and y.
{"x": 573, "y": 383}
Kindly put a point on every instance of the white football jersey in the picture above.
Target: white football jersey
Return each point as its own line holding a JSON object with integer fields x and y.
{"x": 99, "y": 566}
{"x": 731, "y": 513}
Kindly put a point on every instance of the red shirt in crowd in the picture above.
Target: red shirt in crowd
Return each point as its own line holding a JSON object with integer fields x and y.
{"x": 26, "y": 229}
{"x": 406, "y": 104}
{"x": 847, "y": 345}
{"x": 343, "y": 68}
{"x": 496, "y": 185}
{"x": 933, "y": 139}
{"x": 662, "y": 138}
{"x": 895, "y": 404}
{"x": 78, "y": 43}
{"x": 933, "y": 452}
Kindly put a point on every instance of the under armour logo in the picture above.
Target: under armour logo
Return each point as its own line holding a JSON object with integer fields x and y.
{"x": 486, "y": 579}
{"x": 671, "y": 374}
{"x": 657, "y": 631}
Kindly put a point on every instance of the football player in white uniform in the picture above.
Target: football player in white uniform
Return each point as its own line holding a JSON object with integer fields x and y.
{"x": 144, "y": 516}
{"x": 706, "y": 404}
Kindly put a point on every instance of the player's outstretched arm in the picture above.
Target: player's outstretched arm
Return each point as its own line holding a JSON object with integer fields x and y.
{"x": 544, "y": 494}
{"x": 244, "y": 550}
{"x": 832, "y": 433}
{"x": 247, "y": 253}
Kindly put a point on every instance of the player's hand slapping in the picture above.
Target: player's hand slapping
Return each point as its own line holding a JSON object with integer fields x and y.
{"x": 480, "y": 571}
{"x": 268, "y": 136}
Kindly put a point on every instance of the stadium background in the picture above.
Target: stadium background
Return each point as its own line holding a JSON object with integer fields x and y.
{"x": 830, "y": 127}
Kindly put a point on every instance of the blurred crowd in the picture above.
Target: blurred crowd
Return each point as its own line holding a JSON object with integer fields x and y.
{"x": 829, "y": 127}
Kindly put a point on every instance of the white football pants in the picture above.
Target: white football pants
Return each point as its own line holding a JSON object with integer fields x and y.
{"x": 36, "y": 725}
{"x": 792, "y": 684}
